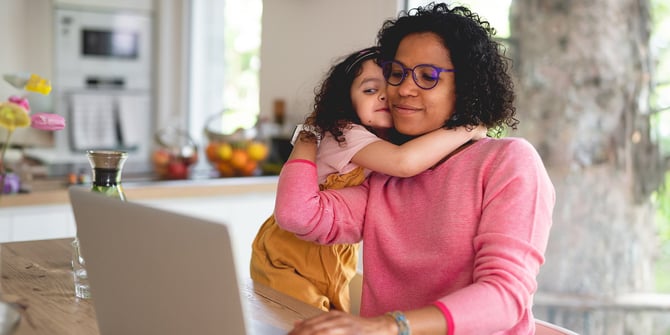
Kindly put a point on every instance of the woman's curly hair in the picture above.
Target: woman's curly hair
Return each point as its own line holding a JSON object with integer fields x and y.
{"x": 333, "y": 110}
{"x": 484, "y": 89}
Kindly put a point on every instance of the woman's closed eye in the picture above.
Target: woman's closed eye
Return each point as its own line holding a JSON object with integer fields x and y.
{"x": 429, "y": 75}
{"x": 396, "y": 74}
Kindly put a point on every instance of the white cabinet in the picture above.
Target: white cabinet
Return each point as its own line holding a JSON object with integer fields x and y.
{"x": 36, "y": 223}
{"x": 244, "y": 213}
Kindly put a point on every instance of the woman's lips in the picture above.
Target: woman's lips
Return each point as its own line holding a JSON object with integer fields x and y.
{"x": 383, "y": 110}
{"x": 405, "y": 109}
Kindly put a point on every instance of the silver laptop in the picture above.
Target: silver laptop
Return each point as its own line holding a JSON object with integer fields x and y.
{"x": 157, "y": 272}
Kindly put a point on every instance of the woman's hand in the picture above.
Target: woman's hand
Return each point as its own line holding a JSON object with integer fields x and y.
{"x": 341, "y": 323}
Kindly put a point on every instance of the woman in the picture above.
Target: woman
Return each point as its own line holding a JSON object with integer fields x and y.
{"x": 453, "y": 250}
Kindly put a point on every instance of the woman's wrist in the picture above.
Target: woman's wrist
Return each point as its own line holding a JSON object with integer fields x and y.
{"x": 385, "y": 325}
{"x": 401, "y": 323}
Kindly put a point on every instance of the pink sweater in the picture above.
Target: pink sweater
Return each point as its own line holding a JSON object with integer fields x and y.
{"x": 468, "y": 236}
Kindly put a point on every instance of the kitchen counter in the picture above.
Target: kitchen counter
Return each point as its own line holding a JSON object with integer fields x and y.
{"x": 244, "y": 203}
{"x": 54, "y": 191}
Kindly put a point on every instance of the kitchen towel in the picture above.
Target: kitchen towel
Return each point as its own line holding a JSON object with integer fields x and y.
{"x": 134, "y": 117}
{"x": 93, "y": 123}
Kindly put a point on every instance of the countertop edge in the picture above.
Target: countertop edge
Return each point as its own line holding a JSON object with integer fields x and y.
{"x": 154, "y": 190}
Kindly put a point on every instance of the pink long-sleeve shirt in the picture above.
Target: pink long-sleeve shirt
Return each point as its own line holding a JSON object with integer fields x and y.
{"x": 468, "y": 236}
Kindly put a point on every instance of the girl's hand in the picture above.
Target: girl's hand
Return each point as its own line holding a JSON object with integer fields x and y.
{"x": 479, "y": 132}
{"x": 305, "y": 147}
{"x": 341, "y": 323}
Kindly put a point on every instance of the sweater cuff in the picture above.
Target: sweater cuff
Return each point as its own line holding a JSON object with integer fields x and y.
{"x": 447, "y": 317}
{"x": 300, "y": 160}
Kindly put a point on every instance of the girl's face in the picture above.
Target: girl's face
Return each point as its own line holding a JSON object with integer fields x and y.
{"x": 368, "y": 96}
{"x": 415, "y": 110}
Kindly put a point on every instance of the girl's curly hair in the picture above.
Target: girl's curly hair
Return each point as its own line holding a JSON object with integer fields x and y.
{"x": 484, "y": 89}
{"x": 333, "y": 110}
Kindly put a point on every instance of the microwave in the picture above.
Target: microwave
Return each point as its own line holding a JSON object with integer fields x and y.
{"x": 110, "y": 43}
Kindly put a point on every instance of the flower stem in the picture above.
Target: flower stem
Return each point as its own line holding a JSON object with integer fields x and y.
{"x": 4, "y": 150}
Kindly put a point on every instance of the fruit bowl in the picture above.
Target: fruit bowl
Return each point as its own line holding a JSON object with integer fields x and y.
{"x": 175, "y": 153}
{"x": 235, "y": 155}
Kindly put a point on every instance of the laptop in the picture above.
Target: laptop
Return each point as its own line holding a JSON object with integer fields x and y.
{"x": 153, "y": 271}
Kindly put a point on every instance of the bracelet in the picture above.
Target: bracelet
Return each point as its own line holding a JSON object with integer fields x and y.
{"x": 401, "y": 321}
{"x": 303, "y": 127}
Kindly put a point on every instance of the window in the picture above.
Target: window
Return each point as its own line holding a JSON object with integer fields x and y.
{"x": 660, "y": 46}
{"x": 660, "y": 108}
{"x": 225, "y": 64}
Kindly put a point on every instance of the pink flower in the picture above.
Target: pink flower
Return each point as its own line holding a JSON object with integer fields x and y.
{"x": 47, "y": 121}
{"x": 23, "y": 102}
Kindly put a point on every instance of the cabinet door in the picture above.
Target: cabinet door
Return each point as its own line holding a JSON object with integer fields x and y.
{"x": 6, "y": 220}
{"x": 243, "y": 213}
{"x": 36, "y": 223}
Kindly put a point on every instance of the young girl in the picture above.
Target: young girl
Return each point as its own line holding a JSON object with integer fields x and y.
{"x": 350, "y": 115}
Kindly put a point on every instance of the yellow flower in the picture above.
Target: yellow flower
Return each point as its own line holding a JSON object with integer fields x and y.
{"x": 38, "y": 84}
{"x": 13, "y": 116}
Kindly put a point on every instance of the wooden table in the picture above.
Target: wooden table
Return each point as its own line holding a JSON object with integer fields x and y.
{"x": 37, "y": 275}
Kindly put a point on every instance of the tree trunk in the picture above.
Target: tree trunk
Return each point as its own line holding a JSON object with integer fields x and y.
{"x": 583, "y": 80}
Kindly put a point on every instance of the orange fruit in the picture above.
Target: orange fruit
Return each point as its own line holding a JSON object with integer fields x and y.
{"x": 249, "y": 169}
{"x": 211, "y": 151}
{"x": 225, "y": 170}
{"x": 257, "y": 151}
{"x": 160, "y": 157}
{"x": 239, "y": 158}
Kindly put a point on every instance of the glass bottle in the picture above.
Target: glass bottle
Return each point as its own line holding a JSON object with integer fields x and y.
{"x": 106, "y": 168}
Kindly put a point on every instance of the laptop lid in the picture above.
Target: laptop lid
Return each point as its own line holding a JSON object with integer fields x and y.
{"x": 157, "y": 272}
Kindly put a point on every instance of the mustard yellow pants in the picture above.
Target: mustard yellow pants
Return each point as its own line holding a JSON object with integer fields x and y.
{"x": 316, "y": 274}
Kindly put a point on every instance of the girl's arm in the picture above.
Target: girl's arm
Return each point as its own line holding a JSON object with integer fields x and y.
{"x": 417, "y": 155}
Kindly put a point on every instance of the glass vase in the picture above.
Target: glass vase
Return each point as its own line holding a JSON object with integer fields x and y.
{"x": 106, "y": 169}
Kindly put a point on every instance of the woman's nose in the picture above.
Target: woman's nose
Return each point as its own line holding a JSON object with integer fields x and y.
{"x": 408, "y": 87}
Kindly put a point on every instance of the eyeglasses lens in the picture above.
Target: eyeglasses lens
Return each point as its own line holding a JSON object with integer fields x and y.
{"x": 425, "y": 76}
{"x": 394, "y": 73}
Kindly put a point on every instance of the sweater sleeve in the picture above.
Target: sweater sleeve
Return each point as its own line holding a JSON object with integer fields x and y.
{"x": 509, "y": 245}
{"x": 325, "y": 217}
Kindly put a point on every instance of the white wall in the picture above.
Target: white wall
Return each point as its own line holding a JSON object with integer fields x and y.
{"x": 26, "y": 46}
{"x": 301, "y": 39}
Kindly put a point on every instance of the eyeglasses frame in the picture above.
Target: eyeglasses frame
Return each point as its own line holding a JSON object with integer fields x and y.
{"x": 405, "y": 69}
